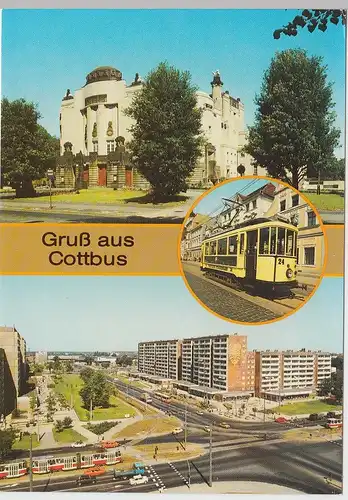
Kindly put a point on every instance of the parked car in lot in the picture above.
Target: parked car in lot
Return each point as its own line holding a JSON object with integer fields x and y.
{"x": 206, "y": 428}
{"x": 177, "y": 430}
{"x": 200, "y": 413}
{"x": 281, "y": 420}
{"x": 138, "y": 480}
{"x": 86, "y": 479}
{"x": 78, "y": 444}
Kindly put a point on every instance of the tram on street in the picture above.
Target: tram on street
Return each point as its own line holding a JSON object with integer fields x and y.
{"x": 261, "y": 254}
{"x": 13, "y": 469}
{"x": 49, "y": 464}
{"x": 165, "y": 398}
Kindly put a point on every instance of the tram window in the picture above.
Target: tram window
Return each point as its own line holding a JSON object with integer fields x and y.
{"x": 295, "y": 243}
{"x": 289, "y": 242}
{"x": 206, "y": 249}
{"x": 264, "y": 240}
{"x": 273, "y": 240}
{"x": 212, "y": 248}
{"x": 232, "y": 245}
{"x": 241, "y": 246}
{"x": 281, "y": 241}
{"x": 222, "y": 246}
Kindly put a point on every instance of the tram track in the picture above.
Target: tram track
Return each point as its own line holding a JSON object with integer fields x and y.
{"x": 284, "y": 305}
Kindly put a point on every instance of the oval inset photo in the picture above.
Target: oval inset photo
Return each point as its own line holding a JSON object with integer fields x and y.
{"x": 252, "y": 250}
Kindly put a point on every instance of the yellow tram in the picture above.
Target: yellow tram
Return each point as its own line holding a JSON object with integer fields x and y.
{"x": 261, "y": 253}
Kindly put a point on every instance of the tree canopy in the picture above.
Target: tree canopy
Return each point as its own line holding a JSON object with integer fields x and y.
{"x": 28, "y": 150}
{"x": 312, "y": 19}
{"x": 97, "y": 390}
{"x": 7, "y": 438}
{"x": 166, "y": 136}
{"x": 294, "y": 123}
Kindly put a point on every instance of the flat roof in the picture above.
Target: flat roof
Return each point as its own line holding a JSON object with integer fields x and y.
{"x": 285, "y": 392}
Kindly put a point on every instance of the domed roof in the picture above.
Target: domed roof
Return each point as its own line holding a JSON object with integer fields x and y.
{"x": 103, "y": 73}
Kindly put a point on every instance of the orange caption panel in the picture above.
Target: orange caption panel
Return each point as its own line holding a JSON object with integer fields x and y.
{"x": 110, "y": 249}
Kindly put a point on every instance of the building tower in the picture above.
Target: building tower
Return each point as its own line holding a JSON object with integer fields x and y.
{"x": 216, "y": 90}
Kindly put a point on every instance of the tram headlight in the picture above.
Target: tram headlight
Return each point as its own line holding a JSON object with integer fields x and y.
{"x": 289, "y": 273}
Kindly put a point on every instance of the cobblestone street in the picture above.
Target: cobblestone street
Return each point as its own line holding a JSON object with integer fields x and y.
{"x": 227, "y": 303}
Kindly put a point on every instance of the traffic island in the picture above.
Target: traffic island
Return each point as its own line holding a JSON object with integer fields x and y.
{"x": 154, "y": 426}
{"x": 313, "y": 434}
{"x": 164, "y": 452}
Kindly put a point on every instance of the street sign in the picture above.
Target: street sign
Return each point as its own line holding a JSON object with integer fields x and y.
{"x": 50, "y": 174}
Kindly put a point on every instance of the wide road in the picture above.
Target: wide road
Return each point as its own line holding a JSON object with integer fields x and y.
{"x": 300, "y": 466}
{"x": 37, "y": 217}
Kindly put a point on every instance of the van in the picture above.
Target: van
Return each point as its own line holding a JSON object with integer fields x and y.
{"x": 86, "y": 479}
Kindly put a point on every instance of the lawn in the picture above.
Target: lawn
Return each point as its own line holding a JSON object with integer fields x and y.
{"x": 71, "y": 384}
{"x": 136, "y": 383}
{"x": 24, "y": 443}
{"x": 307, "y": 407}
{"x": 157, "y": 425}
{"x": 68, "y": 436}
{"x": 170, "y": 451}
{"x": 109, "y": 196}
{"x": 326, "y": 201}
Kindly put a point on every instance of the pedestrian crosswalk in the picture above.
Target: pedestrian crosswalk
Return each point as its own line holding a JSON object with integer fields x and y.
{"x": 155, "y": 478}
{"x": 179, "y": 473}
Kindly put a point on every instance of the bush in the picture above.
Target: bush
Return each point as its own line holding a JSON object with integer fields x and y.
{"x": 51, "y": 386}
{"x": 101, "y": 427}
{"x": 16, "y": 413}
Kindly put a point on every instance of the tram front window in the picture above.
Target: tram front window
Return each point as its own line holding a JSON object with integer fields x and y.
{"x": 281, "y": 241}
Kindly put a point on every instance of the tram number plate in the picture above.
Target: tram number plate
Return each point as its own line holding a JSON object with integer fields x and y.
{"x": 280, "y": 261}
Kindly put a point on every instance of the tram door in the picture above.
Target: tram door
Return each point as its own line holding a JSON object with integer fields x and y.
{"x": 69, "y": 463}
{"x": 13, "y": 470}
{"x": 43, "y": 466}
{"x": 251, "y": 254}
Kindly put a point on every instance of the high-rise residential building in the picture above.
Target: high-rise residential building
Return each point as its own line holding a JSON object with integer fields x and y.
{"x": 280, "y": 374}
{"x": 13, "y": 366}
{"x": 160, "y": 358}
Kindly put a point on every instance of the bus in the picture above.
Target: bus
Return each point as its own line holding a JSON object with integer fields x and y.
{"x": 165, "y": 398}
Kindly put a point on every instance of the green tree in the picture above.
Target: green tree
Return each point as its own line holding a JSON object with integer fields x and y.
{"x": 50, "y": 366}
{"x": 294, "y": 120}
{"x": 27, "y": 149}
{"x": 167, "y": 138}
{"x": 33, "y": 401}
{"x": 69, "y": 366}
{"x": 59, "y": 426}
{"x": 241, "y": 170}
{"x": 56, "y": 364}
{"x": 325, "y": 387}
{"x": 337, "y": 362}
{"x": 337, "y": 389}
{"x": 88, "y": 359}
{"x": 51, "y": 403}
{"x": 86, "y": 374}
{"x": 7, "y": 438}
{"x": 312, "y": 19}
{"x": 67, "y": 422}
{"x": 98, "y": 390}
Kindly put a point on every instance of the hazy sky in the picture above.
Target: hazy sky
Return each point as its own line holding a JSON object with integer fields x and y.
{"x": 115, "y": 313}
{"x": 44, "y": 52}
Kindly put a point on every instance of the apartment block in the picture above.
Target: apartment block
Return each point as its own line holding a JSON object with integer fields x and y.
{"x": 290, "y": 373}
{"x": 13, "y": 368}
{"x": 160, "y": 358}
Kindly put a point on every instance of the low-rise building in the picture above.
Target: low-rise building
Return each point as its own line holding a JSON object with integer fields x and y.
{"x": 311, "y": 243}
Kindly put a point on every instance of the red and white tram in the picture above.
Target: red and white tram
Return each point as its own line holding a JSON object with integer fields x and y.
{"x": 44, "y": 465}
{"x": 13, "y": 469}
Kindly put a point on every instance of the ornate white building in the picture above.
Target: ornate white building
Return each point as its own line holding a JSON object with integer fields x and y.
{"x": 94, "y": 131}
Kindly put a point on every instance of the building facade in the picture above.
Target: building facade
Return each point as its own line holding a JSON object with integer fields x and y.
{"x": 13, "y": 366}
{"x": 160, "y": 358}
{"x": 41, "y": 357}
{"x": 290, "y": 374}
{"x": 311, "y": 243}
{"x": 94, "y": 131}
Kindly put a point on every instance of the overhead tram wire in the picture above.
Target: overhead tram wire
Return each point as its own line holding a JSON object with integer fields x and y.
{"x": 221, "y": 206}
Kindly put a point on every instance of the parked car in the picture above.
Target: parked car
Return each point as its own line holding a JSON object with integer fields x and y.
{"x": 200, "y": 413}
{"x": 177, "y": 430}
{"x": 109, "y": 444}
{"x": 206, "y": 428}
{"x": 138, "y": 480}
{"x": 86, "y": 479}
{"x": 78, "y": 444}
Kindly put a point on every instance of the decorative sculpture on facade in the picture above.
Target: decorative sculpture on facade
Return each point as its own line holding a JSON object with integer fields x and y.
{"x": 68, "y": 147}
{"x": 110, "y": 130}
{"x": 95, "y": 131}
{"x": 216, "y": 78}
{"x": 68, "y": 95}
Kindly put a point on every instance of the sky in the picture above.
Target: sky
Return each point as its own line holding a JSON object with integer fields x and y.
{"x": 212, "y": 202}
{"x": 44, "y": 52}
{"x": 83, "y": 313}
